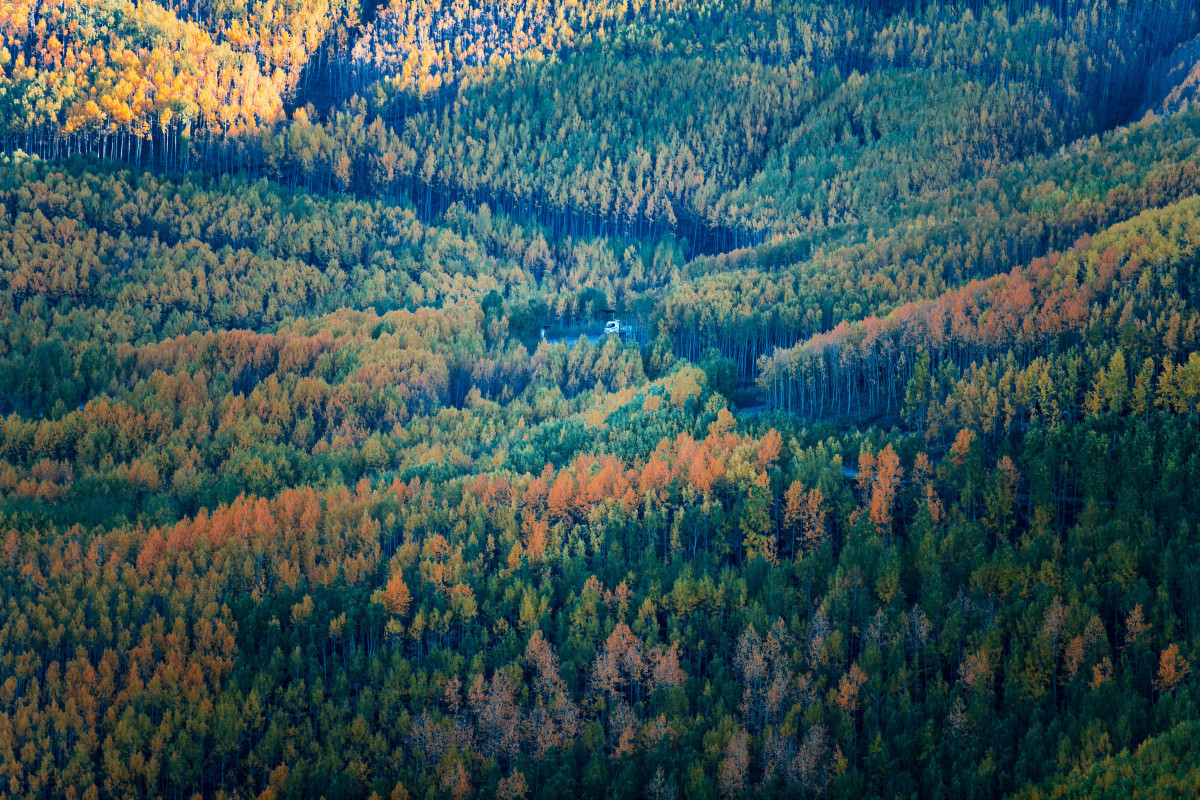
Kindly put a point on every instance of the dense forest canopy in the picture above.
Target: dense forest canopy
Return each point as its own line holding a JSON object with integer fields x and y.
{"x": 317, "y": 480}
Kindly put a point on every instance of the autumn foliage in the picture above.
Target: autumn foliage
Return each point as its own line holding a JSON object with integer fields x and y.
{"x": 317, "y": 480}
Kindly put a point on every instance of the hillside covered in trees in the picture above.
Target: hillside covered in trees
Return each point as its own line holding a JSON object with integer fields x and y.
{"x": 313, "y": 486}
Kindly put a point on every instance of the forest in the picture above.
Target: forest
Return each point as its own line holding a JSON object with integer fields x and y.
{"x": 318, "y": 480}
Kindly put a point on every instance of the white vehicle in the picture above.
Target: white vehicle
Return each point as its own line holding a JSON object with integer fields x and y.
{"x": 613, "y": 326}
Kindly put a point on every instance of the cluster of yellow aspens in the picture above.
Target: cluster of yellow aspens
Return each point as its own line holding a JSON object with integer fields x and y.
{"x": 81, "y": 68}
